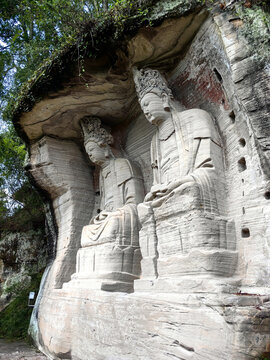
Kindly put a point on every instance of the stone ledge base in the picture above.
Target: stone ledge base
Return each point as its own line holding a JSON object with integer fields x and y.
{"x": 99, "y": 284}
{"x": 188, "y": 285}
{"x": 92, "y": 324}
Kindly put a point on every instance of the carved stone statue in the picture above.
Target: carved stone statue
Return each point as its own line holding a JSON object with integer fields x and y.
{"x": 183, "y": 217}
{"x": 110, "y": 253}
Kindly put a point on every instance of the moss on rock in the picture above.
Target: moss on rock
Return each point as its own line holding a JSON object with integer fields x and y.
{"x": 22, "y": 256}
{"x": 15, "y": 318}
{"x": 166, "y": 9}
{"x": 256, "y": 30}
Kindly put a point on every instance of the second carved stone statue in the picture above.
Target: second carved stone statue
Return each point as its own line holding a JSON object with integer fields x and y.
{"x": 185, "y": 229}
{"x": 109, "y": 258}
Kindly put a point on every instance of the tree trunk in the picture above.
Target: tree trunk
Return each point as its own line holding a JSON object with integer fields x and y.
{"x": 105, "y": 5}
{"x": 96, "y": 6}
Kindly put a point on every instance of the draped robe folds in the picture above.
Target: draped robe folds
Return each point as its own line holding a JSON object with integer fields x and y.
{"x": 198, "y": 154}
{"x": 121, "y": 189}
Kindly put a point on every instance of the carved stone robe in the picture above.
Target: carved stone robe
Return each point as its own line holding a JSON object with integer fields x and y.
{"x": 121, "y": 189}
{"x": 191, "y": 146}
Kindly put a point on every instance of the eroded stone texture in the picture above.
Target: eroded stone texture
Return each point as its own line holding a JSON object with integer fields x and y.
{"x": 60, "y": 168}
{"x": 21, "y": 254}
{"x": 208, "y": 305}
{"x": 149, "y": 326}
{"x": 211, "y": 79}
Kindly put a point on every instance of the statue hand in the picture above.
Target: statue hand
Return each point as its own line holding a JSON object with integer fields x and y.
{"x": 157, "y": 190}
{"x": 102, "y": 215}
{"x": 186, "y": 179}
{"x": 148, "y": 197}
{"x": 160, "y": 190}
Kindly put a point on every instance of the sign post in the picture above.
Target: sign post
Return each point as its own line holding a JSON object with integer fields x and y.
{"x": 31, "y": 299}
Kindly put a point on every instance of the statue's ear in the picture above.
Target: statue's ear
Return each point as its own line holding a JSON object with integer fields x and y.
{"x": 166, "y": 102}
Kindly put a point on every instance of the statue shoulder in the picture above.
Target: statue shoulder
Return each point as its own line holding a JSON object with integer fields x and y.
{"x": 201, "y": 123}
{"x": 125, "y": 170}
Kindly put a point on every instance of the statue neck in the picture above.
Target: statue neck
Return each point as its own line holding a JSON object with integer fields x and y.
{"x": 166, "y": 129}
{"x": 106, "y": 164}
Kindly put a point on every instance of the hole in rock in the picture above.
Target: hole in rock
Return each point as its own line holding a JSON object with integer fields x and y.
{"x": 242, "y": 142}
{"x": 267, "y": 195}
{"x": 98, "y": 211}
{"x": 234, "y": 19}
{"x": 232, "y": 116}
{"x": 27, "y": 167}
{"x": 245, "y": 233}
{"x": 243, "y": 210}
{"x": 97, "y": 193}
{"x": 243, "y": 180}
{"x": 219, "y": 77}
{"x": 242, "y": 165}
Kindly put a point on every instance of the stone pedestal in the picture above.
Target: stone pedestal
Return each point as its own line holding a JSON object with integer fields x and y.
{"x": 177, "y": 238}
{"x": 107, "y": 267}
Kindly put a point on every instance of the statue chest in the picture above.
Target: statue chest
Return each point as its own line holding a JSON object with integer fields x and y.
{"x": 112, "y": 198}
{"x": 168, "y": 159}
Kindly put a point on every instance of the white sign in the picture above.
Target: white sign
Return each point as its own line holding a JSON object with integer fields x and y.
{"x": 31, "y": 295}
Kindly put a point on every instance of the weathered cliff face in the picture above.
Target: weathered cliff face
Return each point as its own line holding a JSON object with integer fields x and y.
{"x": 213, "y": 303}
{"x": 21, "y": 255}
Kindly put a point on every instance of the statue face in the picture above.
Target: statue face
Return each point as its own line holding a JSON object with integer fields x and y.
{"x": 155, "y": 108}
{"x": 97, "y": 154}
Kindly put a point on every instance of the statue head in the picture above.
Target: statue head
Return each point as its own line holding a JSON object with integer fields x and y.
{"x": 97, "y": 140}
{"x": 154, "y": 95}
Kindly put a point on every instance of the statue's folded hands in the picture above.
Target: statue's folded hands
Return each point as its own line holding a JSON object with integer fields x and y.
{"x": 162, "y": 190}
{"x": 103, "y": 215}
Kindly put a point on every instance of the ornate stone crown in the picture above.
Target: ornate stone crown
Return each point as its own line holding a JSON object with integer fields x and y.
{"x": 148, "y": 80}
{"x": 92, "y": 131}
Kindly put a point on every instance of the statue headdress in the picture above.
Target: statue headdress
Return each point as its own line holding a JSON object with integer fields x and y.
{"x": 93, "y": 131}
{"x": 148, "y": 80}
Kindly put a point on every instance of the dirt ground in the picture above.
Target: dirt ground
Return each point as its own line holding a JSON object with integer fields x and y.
{"x": 19, "y": 350}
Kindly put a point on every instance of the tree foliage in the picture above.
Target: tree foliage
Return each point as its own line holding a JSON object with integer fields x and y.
{"x": 30, "y": 30}
{"x": 20, "y": 205}
{"x": 12, "y": 153}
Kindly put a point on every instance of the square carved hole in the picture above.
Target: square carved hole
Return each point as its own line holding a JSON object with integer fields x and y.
{"x": 245, "y": 233}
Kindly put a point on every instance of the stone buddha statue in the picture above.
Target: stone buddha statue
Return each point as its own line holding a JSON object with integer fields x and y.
{"x": 183, "y": 217}
{"x": 110, "y": 255}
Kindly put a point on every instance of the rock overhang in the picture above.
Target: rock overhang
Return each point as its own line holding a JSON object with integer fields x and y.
{"x": 103, "y": 85}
